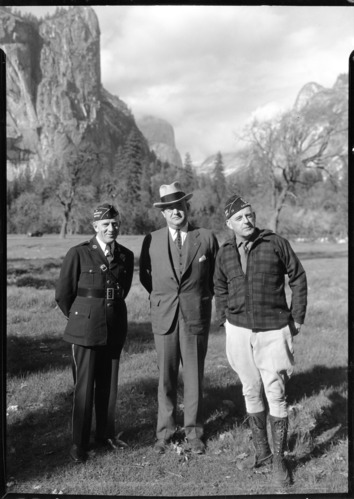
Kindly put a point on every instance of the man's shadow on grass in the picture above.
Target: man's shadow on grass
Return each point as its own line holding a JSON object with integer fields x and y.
{"x": 328, "y": 423}
{"x": 42, "y": 437}
{"x": 26, "y": 354}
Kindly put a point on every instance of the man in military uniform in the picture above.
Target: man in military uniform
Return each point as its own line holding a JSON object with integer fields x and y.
{"x": 94, "y": 281}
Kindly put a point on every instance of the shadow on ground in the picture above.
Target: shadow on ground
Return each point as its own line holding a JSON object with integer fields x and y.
{"x": 35, "y": 449}
{"x": 29, "y": 355}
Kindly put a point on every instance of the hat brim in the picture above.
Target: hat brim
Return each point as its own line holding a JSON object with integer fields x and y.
{"x": 162, "y": 205}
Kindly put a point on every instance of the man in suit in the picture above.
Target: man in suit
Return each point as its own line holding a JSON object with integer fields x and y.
{"x": 94, "y": 281}
{"x": 176, "y": 268}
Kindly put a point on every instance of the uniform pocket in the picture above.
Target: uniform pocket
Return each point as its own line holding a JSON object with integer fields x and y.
{"x": 89, "y": 276}
{"x": 80, "y": 310}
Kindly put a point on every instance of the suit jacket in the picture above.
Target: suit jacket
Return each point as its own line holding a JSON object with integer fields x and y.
{"x": 85, "y": 266}
{"x": 193, "y": 293}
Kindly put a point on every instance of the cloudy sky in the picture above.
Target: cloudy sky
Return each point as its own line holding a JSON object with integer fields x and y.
{"x": 209, "y": 69}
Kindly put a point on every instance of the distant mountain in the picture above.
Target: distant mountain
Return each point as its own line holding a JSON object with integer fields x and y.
{"x": 54, "y": 91}
{"x": 314, "y": 92}
{"x": 232, "y": 164}
{"x": 327, "y": 100}
{"x": 161, "y": 139}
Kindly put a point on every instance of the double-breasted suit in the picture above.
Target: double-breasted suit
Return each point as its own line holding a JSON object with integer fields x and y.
{"x": 180, "y": 302}
{"x": 91, "y": 293}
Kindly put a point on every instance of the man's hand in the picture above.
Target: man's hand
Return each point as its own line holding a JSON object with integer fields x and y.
{"x": 295, "y": 328}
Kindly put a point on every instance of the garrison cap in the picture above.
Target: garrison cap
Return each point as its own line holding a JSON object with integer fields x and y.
{"x": 105, "y": 211}
{"x": 234, "y": 204}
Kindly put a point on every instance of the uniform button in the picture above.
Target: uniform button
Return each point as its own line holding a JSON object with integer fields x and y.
{"x": 108, "y": 282}
{"x": 90, "y": 270}
{"x": 109, "y": 304}
{"x": 76, "y": 313}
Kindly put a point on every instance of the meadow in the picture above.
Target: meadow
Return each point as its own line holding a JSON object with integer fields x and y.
{"x": 39, "y": 393}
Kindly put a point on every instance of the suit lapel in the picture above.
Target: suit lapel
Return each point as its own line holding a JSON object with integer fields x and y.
{"x": 193, "y": 243}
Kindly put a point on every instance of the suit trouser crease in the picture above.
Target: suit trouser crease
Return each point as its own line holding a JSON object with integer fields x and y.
{"x": 179, "y": 346}
{"x": 96, "y": 380}
{"x": 264, "y": 362}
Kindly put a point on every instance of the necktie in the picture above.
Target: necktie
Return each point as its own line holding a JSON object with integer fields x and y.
{"x": 179, "y": 239}
{"x": 244, "y": 249}
{"x": 108, "y": 253}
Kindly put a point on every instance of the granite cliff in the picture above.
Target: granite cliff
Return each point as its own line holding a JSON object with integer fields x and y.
{"x": 161, "y": 138}
{"x": 329, "y": 102}
{"x": 54, "y": 91}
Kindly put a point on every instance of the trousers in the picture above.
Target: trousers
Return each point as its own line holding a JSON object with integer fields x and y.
{"x": 95, "y": 372}
{"x": 264, "y": 362}
{"x": 175, "y": 348}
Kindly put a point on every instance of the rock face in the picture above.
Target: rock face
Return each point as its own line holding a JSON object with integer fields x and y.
{"x": 327, "y": 98}
{"x": 329, "y": 101}
{"x": 232, "y": 162}
{"x": 307, "y": 92}
{"x": 161, "y": 139}
{"x": 54, "y": 91}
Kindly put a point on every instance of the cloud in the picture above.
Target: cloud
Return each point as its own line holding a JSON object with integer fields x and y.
{"x": 207, "y": 69}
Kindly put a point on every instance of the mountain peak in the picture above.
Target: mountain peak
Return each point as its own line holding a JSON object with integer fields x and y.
{"x": 160, "y": 136}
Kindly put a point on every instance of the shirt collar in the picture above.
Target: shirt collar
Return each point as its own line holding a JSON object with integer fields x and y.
{"x": 103, "y": 245}
{"x": 248, "y": 241}
{"x": 183, "y": 230}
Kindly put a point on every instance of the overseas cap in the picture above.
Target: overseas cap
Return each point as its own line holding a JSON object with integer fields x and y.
{"x": 105, "y": 211}
{"x": 234, "y": 204}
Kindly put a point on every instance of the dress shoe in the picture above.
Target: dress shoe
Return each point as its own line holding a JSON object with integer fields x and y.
{"x": 160, "y": 446}
{"x": 197, "y": 446}
{"x": 110, "y": 443}
{"x": 77, "y": 454}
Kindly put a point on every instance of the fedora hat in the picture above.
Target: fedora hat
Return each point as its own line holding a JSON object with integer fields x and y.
{"x": 171, "y": 193}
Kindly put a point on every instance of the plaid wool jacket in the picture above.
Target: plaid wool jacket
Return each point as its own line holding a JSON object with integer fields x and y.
{"x": 256, "y": 299}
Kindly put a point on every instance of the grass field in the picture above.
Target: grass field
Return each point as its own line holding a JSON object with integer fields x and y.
{"x": 39, "y": 393}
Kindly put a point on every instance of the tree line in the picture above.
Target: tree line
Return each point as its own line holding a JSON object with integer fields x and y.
{"x": 295, "y": 174}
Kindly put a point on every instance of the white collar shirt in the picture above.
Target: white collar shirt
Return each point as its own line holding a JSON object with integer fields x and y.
{"x": 183, "y": 230}
{"x": 104, "y": 245}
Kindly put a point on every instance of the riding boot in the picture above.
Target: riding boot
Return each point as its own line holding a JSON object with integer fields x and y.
{"x": 263, "y": 454}
{"x": 279, "y": 428}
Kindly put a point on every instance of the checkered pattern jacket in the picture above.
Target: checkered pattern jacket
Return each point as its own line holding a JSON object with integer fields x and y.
{"x": 257, "y": 300}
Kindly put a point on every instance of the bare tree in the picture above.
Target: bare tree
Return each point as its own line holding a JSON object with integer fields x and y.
{"x": 287, "y": 148}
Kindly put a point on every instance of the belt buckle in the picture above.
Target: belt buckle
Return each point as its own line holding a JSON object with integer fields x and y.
{"x": 110, "y": 293}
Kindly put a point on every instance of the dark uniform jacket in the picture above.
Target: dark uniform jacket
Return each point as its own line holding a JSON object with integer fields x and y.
{"x": 81, "y": 294}
{"x": 256, "y": 299}
{"x": 192, "y": 293}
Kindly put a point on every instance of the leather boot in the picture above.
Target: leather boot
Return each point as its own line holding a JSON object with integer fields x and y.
{"x": 263, "y": 454}
{"x": 279, "y": 428}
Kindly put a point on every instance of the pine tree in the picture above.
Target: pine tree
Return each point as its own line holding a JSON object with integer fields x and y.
{"x": 219, "y": 177}
{"x": 186, "y": 175}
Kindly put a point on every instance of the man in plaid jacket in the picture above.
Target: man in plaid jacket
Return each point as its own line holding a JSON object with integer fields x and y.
{"x": 249, "y": 286}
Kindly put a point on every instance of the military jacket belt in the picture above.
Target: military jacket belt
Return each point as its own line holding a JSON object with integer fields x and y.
{"x": 256, "y": 299}
{"x": 91, "y": 294}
